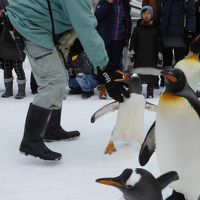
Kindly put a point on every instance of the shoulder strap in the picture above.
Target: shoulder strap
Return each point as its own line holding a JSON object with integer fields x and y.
{"x": 52, "y": 22}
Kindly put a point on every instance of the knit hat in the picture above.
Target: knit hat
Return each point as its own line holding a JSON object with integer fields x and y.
{"x": 149, "y": 8}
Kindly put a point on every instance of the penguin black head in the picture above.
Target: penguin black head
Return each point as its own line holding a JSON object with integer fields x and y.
{"x": 140, "y": 184}
{"x": 135, "y": 84}
{"x": 175, "y": 80}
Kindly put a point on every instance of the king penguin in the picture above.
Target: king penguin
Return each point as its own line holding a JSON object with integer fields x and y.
{"x": 140, "y": 184}
{"x": 130, "y": 117}
{"x": 177, "y": 135}
{"x": 191, "y": 65}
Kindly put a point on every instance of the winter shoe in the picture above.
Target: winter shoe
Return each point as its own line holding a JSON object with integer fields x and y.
{"x": 21, "y": 89}
{"x": 102, "y": 92}
{"x": 86, "y": 95}
{"x": 75, "y": 90}
{"x": 32, "y": 142}
{"x": 55, "y": 132}
{"x": 9, "y": 88}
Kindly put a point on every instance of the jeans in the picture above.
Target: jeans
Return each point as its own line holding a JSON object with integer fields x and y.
{"x": 87, "y": 82}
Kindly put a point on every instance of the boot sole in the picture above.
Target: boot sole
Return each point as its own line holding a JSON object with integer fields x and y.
{"x": 59, "y": 140}
{"x": 28, "y": 154}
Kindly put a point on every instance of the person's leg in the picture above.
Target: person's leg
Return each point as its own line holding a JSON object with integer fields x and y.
{"x": 167, "y": 57}
{"x": 74, "y": 86}
{"x": 87, "y": 84}
{"x": 167, "y": 62}
{"x": 116, "y": 49}
{"x": 33, "y": 84}
{"x": 8, "y": 79}
{"x": 21, "y": 80}
{"x": 179, "y": 54}
{"x": 50, "y": 75}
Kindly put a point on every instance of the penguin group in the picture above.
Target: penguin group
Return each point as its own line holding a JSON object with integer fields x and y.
{"x": 175, "y": 135}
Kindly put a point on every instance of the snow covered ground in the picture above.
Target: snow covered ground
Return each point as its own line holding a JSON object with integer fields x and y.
{"x": 73, "y": 177}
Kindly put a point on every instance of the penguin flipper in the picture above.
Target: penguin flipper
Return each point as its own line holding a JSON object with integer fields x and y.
{"x": 167, "y": 178}
{"x": 148, "y": 146}
{"x": 111, "y": 107}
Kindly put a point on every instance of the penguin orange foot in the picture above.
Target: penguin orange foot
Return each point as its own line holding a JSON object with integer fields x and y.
{"x": 110, "y": 148}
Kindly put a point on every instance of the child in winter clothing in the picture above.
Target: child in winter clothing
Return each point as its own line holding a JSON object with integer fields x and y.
{"x": 81, "y": 75}
{"x": 145, "y": 43}
{"x": 155, "y": 4}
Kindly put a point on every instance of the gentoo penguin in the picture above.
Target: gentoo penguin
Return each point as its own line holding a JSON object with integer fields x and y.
{"x": 177, "y": 135}
{"x": 191, "y": 65}
{"x": 130, "y": 117}
{"x": 140, "y": 184}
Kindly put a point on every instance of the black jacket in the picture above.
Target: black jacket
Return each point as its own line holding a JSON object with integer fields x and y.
{"x": 145, "y": 42}
{"x": 197, "y": 18}
{"x": 177, "y": 17}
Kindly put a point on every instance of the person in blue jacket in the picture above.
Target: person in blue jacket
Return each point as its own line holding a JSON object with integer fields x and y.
{"x": 40, "y": 23}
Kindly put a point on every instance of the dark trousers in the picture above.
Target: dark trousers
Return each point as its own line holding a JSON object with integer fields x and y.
{"x": 179, "y": 54}
{"x": 114, "y": 50}
{"x": 9, "y": 65}
{"x": 150, "y": 80}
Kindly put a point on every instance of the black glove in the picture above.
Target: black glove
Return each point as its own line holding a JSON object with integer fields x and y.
{"x": 116, "y": 90}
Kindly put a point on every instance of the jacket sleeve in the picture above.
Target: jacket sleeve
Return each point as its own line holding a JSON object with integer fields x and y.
{"x": 102, "y": 10}
{"x": 84, "y": 23}
{"x": 190, "y": 16}
{"x": 133, "y": 39}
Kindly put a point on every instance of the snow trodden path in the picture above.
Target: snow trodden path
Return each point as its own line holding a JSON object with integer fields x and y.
{"x": 72, "y": 178}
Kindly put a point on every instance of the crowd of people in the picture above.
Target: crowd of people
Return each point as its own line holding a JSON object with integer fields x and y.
{"x": 160, "y": 38}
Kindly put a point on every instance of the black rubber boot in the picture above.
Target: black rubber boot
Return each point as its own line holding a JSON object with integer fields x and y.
{"x": 176, "y": 196}
{"x": 9, "y": 88}
{"x": 32, "y": 142}
{"x": 55, "y": 132}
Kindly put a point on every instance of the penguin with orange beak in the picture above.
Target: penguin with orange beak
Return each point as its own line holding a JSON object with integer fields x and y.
{"x": 129, "y": 124}
{"x": 139, "y": 184}
{"x": 176, "y": 135}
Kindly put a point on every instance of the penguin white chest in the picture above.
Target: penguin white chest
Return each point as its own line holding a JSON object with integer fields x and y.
{"x": 191, "y": 69}
{"x": 130, "y": 119}
{"x": 178, "y": 143}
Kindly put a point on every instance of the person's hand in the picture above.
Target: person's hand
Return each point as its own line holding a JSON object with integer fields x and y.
{"x": 116, "y": 89}
{"x": 110, "y": 1}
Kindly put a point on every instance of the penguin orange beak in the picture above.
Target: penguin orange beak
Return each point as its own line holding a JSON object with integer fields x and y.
{"x": 123, "y": 78}
{"x": 169, "y": 77}
{"x": 109, "y": 181}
